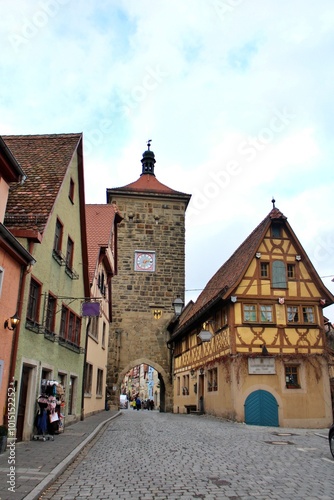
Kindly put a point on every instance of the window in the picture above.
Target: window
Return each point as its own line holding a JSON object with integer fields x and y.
{"x": 50, "y": 313}
{"x": 278, "y": 274}
{"x": 264, "y": 269}
{"x": 291, "y": 271}
{"x": 63, "y": 322}
{"x": 213, "y": 380}
{"x": 103, "y": 342}
{"x": 72, "y": 395}
{"x": 70, "y": 327}
{"x": 292, "y": 314}
{"x": 69, "y": 253}
{"x": 258, "y": 313}
{"x": 297, "y": 314}
{"x": 308, "y": 315}
{"x": 220, "y": 319}
{"x": 266, "y": 313}
{"x": 99, "y": 382}
{"x": 291, "y": 376}
{"x": 276, "y": 231}
{"x": 71, "y": 191}
{"x": 178, "y": 386}
{"x": 88, "y": 378}
{"x": 102, "y": 283}
{"x": 185, "y": 388}
{"x": 58, "y": 237}
{"x": 34, "y": 301}
{"x": 94, "y": 327}
{"x": 249, "y": 312}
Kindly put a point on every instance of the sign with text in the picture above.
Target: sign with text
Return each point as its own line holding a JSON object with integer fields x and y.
{"x": 261, "y": 366}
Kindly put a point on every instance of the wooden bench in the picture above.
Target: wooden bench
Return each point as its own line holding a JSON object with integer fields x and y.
{"x": 190, "y": 408}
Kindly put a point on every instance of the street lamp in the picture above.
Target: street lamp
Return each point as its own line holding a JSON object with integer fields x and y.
{"x": 178, "y": 306}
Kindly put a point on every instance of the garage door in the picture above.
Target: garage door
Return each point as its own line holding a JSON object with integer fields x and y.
{"x": 261, "y": 408}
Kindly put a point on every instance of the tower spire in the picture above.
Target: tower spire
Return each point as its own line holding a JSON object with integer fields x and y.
{"x": 148, "y": 160}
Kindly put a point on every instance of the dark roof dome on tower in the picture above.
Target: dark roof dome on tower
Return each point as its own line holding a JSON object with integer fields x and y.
{"x": 148, "y": 160}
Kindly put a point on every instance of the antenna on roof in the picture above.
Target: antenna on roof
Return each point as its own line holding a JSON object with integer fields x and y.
{"x": 273, "y": 202}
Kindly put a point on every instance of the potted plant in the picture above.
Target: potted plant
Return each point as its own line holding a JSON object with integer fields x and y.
{"x": 3, "y": 438}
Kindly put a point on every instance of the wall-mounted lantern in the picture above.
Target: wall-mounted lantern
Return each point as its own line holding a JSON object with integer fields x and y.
{"x": 12, "y": 322}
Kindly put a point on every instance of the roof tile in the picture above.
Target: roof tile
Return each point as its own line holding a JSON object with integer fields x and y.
{"x": 44, "y": 159}
{"x": 99, "y": 220}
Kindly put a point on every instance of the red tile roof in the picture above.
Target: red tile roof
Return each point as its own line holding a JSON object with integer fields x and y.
{"x": 44, "y": 159}
{"x": 148, "y": 183}
{"x": 100, "y": 221}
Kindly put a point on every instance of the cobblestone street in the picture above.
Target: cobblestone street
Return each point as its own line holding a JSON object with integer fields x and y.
{"x": 152, "y": 455}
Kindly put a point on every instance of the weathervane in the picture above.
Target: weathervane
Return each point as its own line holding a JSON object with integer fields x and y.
{"x": 149, "y": 144}
{"x": 273, "y": 202}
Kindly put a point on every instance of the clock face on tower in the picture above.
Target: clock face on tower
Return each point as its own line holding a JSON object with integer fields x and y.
{"x": 144, "y": 260}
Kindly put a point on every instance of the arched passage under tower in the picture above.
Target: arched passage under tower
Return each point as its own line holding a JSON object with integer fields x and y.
{"x": 136, "y": 374}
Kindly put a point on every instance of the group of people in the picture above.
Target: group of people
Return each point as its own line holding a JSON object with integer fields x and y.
{"x": 146, "y": 404}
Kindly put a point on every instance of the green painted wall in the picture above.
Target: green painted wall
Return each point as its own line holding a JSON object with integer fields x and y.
{"x": 34, "y": 350}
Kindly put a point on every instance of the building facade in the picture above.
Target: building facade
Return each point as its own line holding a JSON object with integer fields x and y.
{"x": 102, "y": 221}
{"x": 252, "y": 348}
{"x": 15, "y": 264}
{"x": 47, "y": 215}
{"x": 151, "y": 273}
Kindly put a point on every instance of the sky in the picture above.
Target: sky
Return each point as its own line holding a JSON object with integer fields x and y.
{"x": 236, "y": 96}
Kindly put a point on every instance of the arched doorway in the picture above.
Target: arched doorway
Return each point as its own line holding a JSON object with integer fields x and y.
{"x": 261, "y": 408}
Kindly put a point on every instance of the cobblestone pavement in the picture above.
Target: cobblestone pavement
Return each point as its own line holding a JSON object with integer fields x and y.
{"x": 151, "y": 455}
{"x": 31, "y": 466}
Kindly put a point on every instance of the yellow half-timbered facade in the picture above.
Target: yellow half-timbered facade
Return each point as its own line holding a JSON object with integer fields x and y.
{"x": 253, "y": 348}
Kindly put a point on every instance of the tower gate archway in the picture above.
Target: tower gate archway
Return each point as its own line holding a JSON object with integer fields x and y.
{"x": 164, "y": 380}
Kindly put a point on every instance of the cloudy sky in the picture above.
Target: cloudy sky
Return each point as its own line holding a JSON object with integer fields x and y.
{"x": 236, "y": 95}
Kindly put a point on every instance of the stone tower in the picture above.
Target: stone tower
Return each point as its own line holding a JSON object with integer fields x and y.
{"x": 150, "y": 275}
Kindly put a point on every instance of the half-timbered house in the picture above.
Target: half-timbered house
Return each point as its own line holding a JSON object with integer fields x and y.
{"x": 252, "y": 348}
